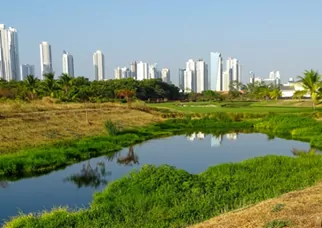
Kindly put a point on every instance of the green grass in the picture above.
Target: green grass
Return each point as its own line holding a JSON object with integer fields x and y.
{"x": 167, "y": 197}
{"x": 278, "y": 224}
{"x": 251, "y": 107}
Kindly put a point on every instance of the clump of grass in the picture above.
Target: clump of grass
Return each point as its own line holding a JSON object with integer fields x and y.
{"x": 167, "y": 197}
{"x": 278, "y": 207}
{"x": 278, "y": 224}
{"x": 112, "y": 128}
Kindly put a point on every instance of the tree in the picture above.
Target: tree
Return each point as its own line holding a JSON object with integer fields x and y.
{"x": 299, "y": 94}
{"x": 275, "y": 93}
{"x": 127, "y": 94}
{"x": 311, "y": 82}
{"x": 49, "y": 84}
{"x": 65, "y": 81}
{"x": 30, "y": 83}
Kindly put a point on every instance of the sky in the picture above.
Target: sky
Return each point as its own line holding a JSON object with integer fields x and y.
{"x": 266, "y": 35}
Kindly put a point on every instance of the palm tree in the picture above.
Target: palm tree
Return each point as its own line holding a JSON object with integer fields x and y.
{"x": 49, "y": 84}
{"x": 311, "y": 82}
{"x": 31, "y": 85}
{"x": 65, "y": 81}
{"x": 275, "y": 94}
{"x": 264, "y": 92}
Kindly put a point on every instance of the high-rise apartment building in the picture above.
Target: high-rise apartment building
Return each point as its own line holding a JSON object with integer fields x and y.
{"x": 68, "y": 64}
{"x": 165, "y": 75}
{"x": 125, "y": 72}
{"x": 133, "y": 69}
{"x": 190, "y": 77}
{"x": 99, "y": 68}
{"x": 232, "y": 69}
{"x": 181, "y": 78}
{"x": 118, "y": 73}
{"x": 153, "y": 71}
{"x": 9, "y": 54}
{"x": 26, "y": 69}
{"x": 45, "y": 59}
{"x": 216, "y": 72}
{"x": 201, "y": 76}
{"x": 142, "y": 71}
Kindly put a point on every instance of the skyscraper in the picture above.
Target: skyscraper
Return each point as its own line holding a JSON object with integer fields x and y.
{"x": 45, "y": 59}
{"x": 98, "y": 62}
{"x": 181, "y": 78}
{"x": 68, "y": 64}
{"x": 26, "y": 69}
{"x": 216, "y": 72}
{"x": 201, "y": 76}
{"x": 118, "y": 73}
{"x": 165, "y": 75}
{"x": 190, "y": 76}
{"x": 153, "y": 72}
{"x": 133, "y": 69}
{"x": 142, "y": 71}
{"x": 125, "y": 72}
{"x": 9, "y": 53}
{"x": 232, "y": 69}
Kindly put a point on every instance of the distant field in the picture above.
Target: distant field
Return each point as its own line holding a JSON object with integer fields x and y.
{"x": 271, "y": 106}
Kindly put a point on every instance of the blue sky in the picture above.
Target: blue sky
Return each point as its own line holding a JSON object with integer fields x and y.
{"x": 264, "y": 35}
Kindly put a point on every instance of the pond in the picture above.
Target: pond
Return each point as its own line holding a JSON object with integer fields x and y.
{"x": 74, "y": 186}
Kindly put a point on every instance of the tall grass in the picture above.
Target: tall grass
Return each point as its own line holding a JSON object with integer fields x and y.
{"x": 166, "y": 197}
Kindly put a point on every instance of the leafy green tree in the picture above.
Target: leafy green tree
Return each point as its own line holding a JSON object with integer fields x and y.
{"x": 65, "y": 81}
{"x": 299, "y": 94}
{"x": 311, "y": 82}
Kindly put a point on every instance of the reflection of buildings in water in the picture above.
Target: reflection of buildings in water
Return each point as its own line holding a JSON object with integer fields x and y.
{"x": 191, "y": 137}
{"x": 216, "y": 141}
{"x": 200, "y": 135}
{"x": 232, "y": 136}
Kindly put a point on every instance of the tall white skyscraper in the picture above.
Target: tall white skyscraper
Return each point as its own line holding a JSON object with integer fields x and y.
{"x": 201, "y": 76}
{"x": 165, "y": 75}
{"x": 153, "y": 71}
{"x": 26, "y": 69}
{"x": 118, "y": 73}
{"x": 142, "y": 71}
{"x": 232, "y": 69}
{"x": 190, "y": 76}
{"x": 68, "y": 64}
{"x": 46, "y": 65}
{"x": 9, "y": 53}
{"x": 216, "y": 72}
{"x": 125, "y": 72}
{"x": 99, "y": 68}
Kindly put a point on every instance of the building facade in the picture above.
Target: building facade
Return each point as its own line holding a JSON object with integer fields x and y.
{"x": 190, "y": 76}
{"x": 201, "y": 76}
{"x": 133, "y": 69}
{"x": 118, "y": 73}
{"x": 181, "y": 79}
{"x": 68, "y": 64}
{"x": 216, "y": 72}
{"x": 45, "y": 59}
{"x": 142, "y": 71}
{"x": 99, "y": 68}
{"x": 9, "y": 54}
{"x": 165, "y": 75}
{"x": 26, "y": 69}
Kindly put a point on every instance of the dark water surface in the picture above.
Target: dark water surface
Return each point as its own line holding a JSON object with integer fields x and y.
{"x": 74, "y": 186}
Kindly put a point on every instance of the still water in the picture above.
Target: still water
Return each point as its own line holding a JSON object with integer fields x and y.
{"x": 74, "y": 186}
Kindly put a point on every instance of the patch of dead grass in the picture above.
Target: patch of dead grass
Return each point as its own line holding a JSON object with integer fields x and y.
{"x": 60, "y": 122}
{"x": 302, "y": 208}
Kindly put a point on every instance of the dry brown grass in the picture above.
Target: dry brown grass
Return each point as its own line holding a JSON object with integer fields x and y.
{"x": 302, "y": 208}
{"x": 35, "y": 124}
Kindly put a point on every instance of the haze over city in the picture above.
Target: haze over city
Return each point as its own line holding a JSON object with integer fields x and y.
{"x": 275, "y": 35}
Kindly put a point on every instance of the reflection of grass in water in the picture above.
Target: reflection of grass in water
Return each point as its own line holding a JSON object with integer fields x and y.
{"x": 89, "y": 177}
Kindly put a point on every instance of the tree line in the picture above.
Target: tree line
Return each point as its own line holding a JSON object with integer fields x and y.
{"x": 67, "y": 88}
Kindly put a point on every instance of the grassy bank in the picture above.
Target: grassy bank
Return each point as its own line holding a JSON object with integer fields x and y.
{"x": 46, "y": 158}
{"x": 167, "y": 197}
{"x": 26, "y": 125}
{"x": 239, "y": 107}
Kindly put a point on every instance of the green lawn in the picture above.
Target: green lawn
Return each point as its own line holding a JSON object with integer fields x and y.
{"x": 263, "y": 107}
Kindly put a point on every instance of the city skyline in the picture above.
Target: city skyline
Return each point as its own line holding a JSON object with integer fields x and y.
{"x": 255, "y": 46}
